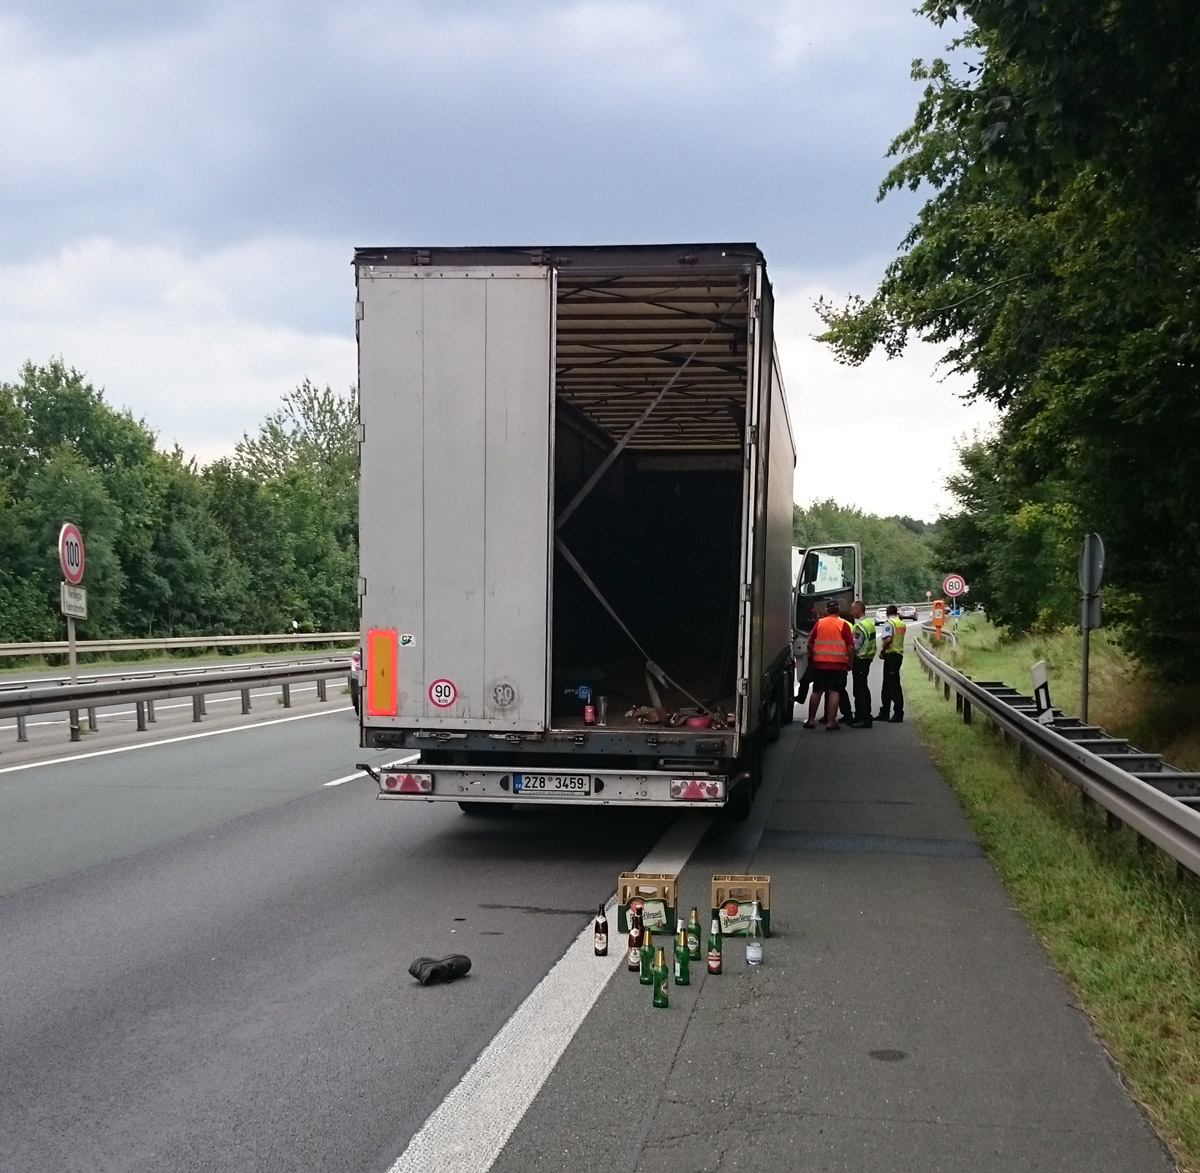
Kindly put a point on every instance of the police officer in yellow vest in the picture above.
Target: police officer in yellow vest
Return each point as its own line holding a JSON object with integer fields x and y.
{"x": 863, "y": 628}
{"x": 892, "y": 638}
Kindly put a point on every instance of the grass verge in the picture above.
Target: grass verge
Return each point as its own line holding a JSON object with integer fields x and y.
{"x": 1116, "y": 921}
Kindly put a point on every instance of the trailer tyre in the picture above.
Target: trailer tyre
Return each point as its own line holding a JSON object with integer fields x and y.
{"x": 774, "y": 716}
{"x": 737, "y": 809}
{"x": 485, "y": 810}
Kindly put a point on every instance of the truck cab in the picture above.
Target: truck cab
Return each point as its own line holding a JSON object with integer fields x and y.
{"x": 820, "y": 573}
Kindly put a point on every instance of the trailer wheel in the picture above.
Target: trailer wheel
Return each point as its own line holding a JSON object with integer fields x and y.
{"x": 737, "y": 808}
{"x": 485, "y": 810}
{"x": 788, "y": 698}
{"x": 774, "y": 716}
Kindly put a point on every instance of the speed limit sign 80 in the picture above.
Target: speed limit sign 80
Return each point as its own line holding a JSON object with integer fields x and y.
{"x": 953, "y": 585}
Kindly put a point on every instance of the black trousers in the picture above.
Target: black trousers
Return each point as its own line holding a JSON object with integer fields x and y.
{"x": 862, "y": 691}
{"x": 892, "y": 699}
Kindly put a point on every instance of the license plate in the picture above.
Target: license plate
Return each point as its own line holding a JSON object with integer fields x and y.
{"x": 537, "y": 784}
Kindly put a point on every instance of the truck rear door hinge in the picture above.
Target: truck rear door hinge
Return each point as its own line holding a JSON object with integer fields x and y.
{"x": 743, "y": 686}
{"x": 358, "y": 311}
{"x": 756, "y": 307}
{"x": 746, "y": 592}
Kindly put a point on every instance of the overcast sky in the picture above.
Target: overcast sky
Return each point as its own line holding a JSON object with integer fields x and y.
{"x": 184, "y": 184}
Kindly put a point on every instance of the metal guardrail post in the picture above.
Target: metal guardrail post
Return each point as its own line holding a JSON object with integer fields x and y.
{"x": 203, "y": 705}
{"x": 287, "y": 696}
{"x": 91, "y": 720}
{"x": 321, "y": 690}
{"x": 22, "y": 735}
{"x": 245, "y": 701}
{"x": 150, "y": 712}
{"x": 196, "y": 699}
{"x": 141, "y": 716}
{"x": 73, "y": 720}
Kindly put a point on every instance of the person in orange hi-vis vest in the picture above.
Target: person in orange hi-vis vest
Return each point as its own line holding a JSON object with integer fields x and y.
{"x": 830, "y": 652}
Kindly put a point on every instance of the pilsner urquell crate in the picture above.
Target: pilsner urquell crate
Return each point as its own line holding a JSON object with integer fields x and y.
{"x": 654, "y": 893}
{"x": 731, "y": 899}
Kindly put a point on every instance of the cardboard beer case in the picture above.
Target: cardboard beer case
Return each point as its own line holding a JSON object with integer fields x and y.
{"x": 731, "y": 900}
{"x": 653, "y": 893}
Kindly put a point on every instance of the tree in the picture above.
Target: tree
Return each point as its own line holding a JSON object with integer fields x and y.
{"x": 897, "y": 563}
{"x": 1057, "y": 260}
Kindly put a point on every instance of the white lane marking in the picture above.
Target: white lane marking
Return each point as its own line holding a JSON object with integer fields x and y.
{"x": 363, "y": 773}
{"x": 100, "y": 753}
{"x": 473, "y": 1123}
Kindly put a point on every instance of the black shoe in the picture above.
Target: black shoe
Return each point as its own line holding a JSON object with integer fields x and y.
{"x": 896, "y": 719}
{"x": 427, "y": 971}
{"x": 865, "y": 724}
{"x": 881, "y": 716}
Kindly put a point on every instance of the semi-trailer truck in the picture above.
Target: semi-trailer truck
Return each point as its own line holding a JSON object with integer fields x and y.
{"x": 575, "y": 507}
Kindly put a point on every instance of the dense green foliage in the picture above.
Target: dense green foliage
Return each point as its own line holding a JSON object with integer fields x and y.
{"x": 898, "y": 561}
{"x": 1058, "y": 261}
{"x": 248, "y": 545}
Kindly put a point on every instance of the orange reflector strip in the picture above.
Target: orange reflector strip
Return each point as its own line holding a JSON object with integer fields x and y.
{"x": 382, "y": 652}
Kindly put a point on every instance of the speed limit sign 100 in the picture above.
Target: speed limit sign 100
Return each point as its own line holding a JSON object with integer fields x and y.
{"x": 70, "y": 553}
{"x": 953, "y": 585}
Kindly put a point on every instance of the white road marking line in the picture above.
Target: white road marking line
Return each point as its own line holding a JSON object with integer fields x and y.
{"x": 470, "y": 1127}
{"x": 100, "y": 753}
{"x": 363, "y": 773}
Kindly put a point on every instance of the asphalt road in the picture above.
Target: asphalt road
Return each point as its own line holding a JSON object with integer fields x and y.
{"x": 203, "y": 947}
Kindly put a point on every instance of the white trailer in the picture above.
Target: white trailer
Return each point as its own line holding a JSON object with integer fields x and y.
{"x": 575, "y": 523}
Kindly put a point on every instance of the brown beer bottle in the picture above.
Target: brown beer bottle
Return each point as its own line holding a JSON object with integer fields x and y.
{"x": 634, "y": 941}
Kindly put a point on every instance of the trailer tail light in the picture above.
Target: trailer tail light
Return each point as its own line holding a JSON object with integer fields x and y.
{"x": 698, "y": 789}
{"x": 406, "y": 783}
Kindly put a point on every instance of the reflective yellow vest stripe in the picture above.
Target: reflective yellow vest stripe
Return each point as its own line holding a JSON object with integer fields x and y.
{"x": 867, "y": 627}
{"x": 898, "y": 630}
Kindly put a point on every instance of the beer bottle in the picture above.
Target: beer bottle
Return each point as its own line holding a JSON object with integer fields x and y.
{"x": 693, "y": 936}
{"x": 714, "y": 947}
{"x": 646, "y": 958}
{"x": 659, "y": 971}
{"x": 683, "y": 975}
{"x": 600, "y": 934}
{"x": 634, "y": 940}
{"x": 754, "y": 936}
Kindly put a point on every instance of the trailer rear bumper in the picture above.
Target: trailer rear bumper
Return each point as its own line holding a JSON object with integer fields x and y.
{"x": 566, "y": 787}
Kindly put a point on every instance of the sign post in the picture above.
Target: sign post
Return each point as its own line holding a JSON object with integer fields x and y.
{"x": 1091, "y": 572}
{"x": 72, "y": 598}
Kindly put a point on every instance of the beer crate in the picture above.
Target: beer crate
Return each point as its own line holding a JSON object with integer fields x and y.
{"x": 654, "y": 893}
{"x": 731, "y": 900}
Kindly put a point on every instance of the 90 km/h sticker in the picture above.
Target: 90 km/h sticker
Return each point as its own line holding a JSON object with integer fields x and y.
{"x": 443, "y": 693}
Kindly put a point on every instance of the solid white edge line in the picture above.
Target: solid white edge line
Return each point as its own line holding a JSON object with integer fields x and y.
{"x": 100, "y": 753}
{"x": 468, "y": 1130}
{"x": 363, "y": 773}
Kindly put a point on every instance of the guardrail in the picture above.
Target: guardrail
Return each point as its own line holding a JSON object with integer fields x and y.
{"x": 1160, "y": 802}
{"x": 61, "y": 647}
{"x": 143, "y": 691}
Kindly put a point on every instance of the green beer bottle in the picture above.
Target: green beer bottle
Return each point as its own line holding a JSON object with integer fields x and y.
{"x": 646, "y": 957}
{"x": 659, "y": 971}
{"x": 714, "y": 947}
{"x": 683, "y": 974}
{"x": 693, "y": 936}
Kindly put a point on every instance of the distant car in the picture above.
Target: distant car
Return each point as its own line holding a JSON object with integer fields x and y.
{"x": 881, "y": 615}
{"x": 908, "y": 611}
{"x": 355, "y": 676}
